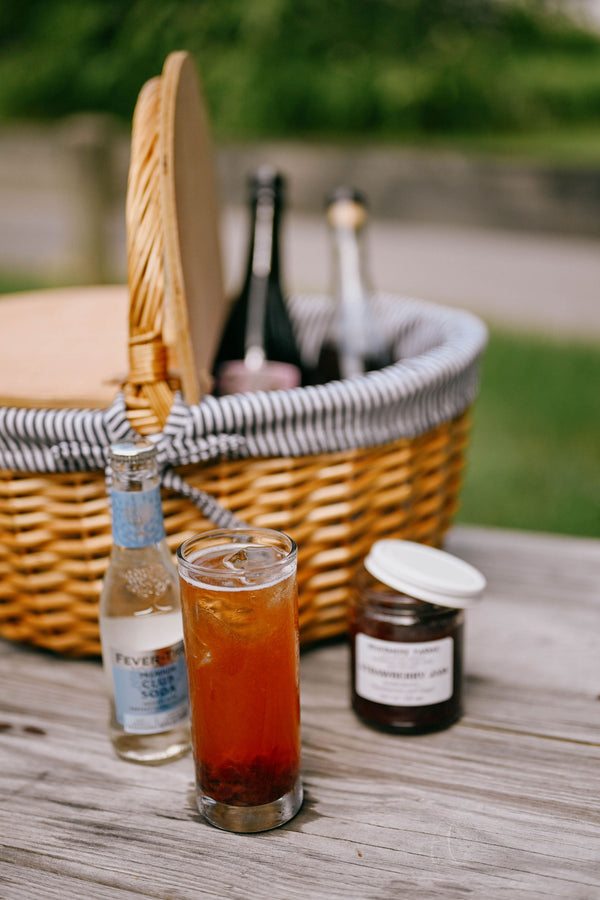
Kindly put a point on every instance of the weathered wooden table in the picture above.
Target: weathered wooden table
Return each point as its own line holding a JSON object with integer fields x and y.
{"x": 506, "y": 804}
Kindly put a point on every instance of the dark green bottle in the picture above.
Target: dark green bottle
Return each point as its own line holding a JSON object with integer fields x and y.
{"x": 258, "y": 321}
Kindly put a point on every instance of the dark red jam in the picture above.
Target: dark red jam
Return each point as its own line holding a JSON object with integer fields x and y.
{"x": 406, "y": 659}
{"x": 249, "y": 783}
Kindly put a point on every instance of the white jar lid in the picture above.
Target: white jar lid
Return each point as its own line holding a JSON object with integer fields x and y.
{"x": 426, "y": 573}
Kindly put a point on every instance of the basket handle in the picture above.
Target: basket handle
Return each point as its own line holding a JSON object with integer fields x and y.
{"x": 149, "y": 389}
{"x": 172, "y": 226}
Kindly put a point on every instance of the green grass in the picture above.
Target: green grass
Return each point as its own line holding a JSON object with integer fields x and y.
{"x": 534, "y": 456}
{"x": 13, "y": 282}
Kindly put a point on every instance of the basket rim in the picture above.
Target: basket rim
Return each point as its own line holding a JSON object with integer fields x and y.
{"x": 403, "y": 400}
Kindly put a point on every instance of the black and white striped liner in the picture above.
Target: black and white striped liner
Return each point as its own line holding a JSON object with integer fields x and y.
{"x": 435, "y": 379}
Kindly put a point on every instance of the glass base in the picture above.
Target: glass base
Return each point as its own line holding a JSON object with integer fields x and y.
{"x": 248, "y": 819}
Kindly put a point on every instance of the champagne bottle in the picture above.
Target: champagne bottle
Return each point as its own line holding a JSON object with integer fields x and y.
{"x": 140, "y": 617}
{"x": 258, "y": 330}
{"x": 356, "y": 343}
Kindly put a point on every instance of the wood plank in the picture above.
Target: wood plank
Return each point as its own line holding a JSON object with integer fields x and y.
{"x": 532, "y": 655}
{"x": 503, "y": 804}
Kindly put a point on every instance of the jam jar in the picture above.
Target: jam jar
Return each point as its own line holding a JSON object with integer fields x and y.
{"x": 406, "y": 618}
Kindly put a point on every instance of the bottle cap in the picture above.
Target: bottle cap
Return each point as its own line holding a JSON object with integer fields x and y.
{"x": 346, "y": 208}
{"x": 132, "y": 455}
{"x": 266, "y": 178}
{"x": 132, "y": 449}
{"x": 346, "y": 192}
{"x": 426, "y": 573}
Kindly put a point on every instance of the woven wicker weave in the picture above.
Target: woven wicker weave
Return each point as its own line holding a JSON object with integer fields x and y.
{"x": 55, "y": 529}
{"x": 55, "y": 533}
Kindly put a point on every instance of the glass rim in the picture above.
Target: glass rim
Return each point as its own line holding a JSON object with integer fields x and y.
{"x": 229, "y": 535}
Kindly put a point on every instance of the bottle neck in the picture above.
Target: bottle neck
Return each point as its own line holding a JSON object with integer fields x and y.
{"x": 351, "y": 284}
{"x": 137, "y": 516}
{"x": 263, "y": 269}
{"x": 263, "y": 256}
{"x": 352, "y": 293}
{"x": 362, "y": 344}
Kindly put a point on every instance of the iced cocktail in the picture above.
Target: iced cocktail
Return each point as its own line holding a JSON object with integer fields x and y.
{"x": 240, "y": 618}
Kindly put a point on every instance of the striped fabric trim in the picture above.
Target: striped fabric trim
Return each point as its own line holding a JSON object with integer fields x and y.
{"x": 435, "y": 379}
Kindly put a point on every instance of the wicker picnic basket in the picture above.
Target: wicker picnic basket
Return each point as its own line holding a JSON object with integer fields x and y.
{"x": 336, "y": 466}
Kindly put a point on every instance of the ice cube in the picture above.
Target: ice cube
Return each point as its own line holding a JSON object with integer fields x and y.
{"x": 237, "y": 560}
{"x": 249, "y": 558}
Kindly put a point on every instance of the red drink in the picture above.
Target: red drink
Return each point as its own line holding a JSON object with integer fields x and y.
{"x": 240, "y": 612}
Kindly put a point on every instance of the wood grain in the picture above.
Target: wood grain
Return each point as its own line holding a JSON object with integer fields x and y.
{"x": 505, "y": 804}
{"x": 190, "y": 220}
{"x": 65, "y": 347}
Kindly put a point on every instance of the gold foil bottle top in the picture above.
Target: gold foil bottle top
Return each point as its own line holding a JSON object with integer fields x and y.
{"x": 346, "y": 208}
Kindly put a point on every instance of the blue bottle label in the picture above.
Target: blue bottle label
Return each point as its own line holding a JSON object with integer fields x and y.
{"x": 151, "y": 690}
{"x": 137, "y": 518}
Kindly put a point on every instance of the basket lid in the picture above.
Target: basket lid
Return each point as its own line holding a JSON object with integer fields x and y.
{"x": 195, "y": 296}
{"x": 65, "y": 347}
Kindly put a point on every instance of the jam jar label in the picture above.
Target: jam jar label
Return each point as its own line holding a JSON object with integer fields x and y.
{"x": 407, "y": 674}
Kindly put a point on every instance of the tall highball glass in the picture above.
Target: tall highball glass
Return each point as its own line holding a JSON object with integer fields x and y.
{"x": 240, "y": 619}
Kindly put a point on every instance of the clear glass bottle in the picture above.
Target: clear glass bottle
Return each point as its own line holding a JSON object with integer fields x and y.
{"x": 140, "y": 617}
{"x": 406, "y": 622}
{"x": 356, "y": 343}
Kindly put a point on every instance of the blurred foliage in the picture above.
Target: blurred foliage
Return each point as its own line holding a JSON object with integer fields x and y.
{"x": 304, "y": 68}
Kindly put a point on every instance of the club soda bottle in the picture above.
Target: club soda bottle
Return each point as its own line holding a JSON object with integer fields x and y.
{"x": 140, "y": 617}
